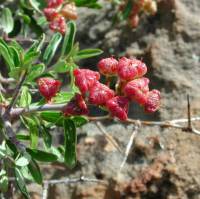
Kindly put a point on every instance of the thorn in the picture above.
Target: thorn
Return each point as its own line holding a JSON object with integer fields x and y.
{"x": 189, "y": 113}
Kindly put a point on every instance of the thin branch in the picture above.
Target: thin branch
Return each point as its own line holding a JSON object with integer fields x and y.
{"x": 6, "y": 80}
{"x": 46, "y": 107}
{"x": 58, "y": 107}
{"x": 129, "y": 145}
{"x": 73, "y": 180}
{"x": 189, "y": 113}
{"x": 45, "y": 190}
{"x": 10, "y": 133}
{"x": 82, "y": 179}
{"x": 20, "y": 40}
{"x": 108, "y": 137}
{"x": 16, "y": 92}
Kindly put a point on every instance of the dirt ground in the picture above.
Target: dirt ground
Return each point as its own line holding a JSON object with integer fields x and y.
{"x": 163, "y": 163}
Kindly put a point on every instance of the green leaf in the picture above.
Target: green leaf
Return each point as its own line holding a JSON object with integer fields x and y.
{"x": 61, "y": 66}
{"x": 69, "y": 39}
{"x": 35, "y": 71}
{"x": 87, "y": 53}
{"x": 3, "y": 181}
{"x": 63, "y": 97}
{"x": 2, "y": 150}
{"x": 15, "y": 73}
{"x": 11, "y": 147}
{"x": 23, "y": 137}
{"x": 38, "y": 5}
{"x": 52, "y": 117}
{"x": 26, "y": 173}
{"x": 15, "y": 56}
{"x": 21, "y": 183}
{"x": 58, "y": 153}
{"x": 79, "y": 120}
{"x": 23, "y": 161}
{"x": 30, "y": 58}
{"x": 37, "y": 45}
{"x": 34, "y": 131}
{"x": 7, "y": 22}
{"x": 127, "y": 10}
{"x": 88, "y": 3}
{"x": 34, "y": 170}
{"x": 70, "y": 142}
{"x": 25, "y": 98}
{"x": 41, "y": 156}
{"x": 6, "y": 55}
{"x": 17, "y": 46}
{"x": 52, "y": 47}
{"x": 46, "y": 137}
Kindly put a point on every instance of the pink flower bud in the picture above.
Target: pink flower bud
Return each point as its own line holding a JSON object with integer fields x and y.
{"x": 108, "y": 66}
{"x": 137, "y": 90}
{"x": 129, "y": 69}
{"x": 48, "y": 87}
{"x": 118, "y": 107}
{"x": 153, "y": 101}
{"x": 76, "y": 106}
{"x": 58, "y": 25}
{"x": 85, "y": 79}
{"x": 54, "y": 3}
{"x": 134, "y": 20}
{"x": 50, "y": 13}
{"x": 99, "y": 94}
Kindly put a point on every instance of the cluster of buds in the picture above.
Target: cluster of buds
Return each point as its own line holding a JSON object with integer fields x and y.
{"x": 131, "y": 86}
{"x": 140, "y": 6}
{"x": 57, "y": 12}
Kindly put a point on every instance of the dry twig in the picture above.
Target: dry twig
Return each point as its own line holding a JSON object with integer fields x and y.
{"x": 108, "y": 137}
{"x": 82, "y": 179}
{"x": 129, "y": 145}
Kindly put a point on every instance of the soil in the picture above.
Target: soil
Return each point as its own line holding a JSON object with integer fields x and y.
{"x": 163, "y": 163}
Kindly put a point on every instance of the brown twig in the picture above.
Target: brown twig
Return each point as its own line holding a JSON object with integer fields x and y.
{"x": 58, "y": 107}
{"x": 108, "y": 137}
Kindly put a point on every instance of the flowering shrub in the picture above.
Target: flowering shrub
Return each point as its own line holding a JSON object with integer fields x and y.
{"x": 32, "y": 94}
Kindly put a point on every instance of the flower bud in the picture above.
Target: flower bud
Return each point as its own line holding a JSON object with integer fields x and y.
{"x": 108, "y": 66}
{"x": 137, "y": 90}
{"x": 153, "y": 101}
{"x": 76, "y": 106}
{"x": 54, "y": 3}
{"x": 118, "y": 107}
{"x": 134, "y": 21}
{"x": 69, "y": 11}
{"x": 85, "y": 79}
{"x": 129, "y": 69}
{"x": 58, "y": 25}
{"x": 50, "y": 13}
{"x": 48, "y": 87}
{"x": 99, "y": 94}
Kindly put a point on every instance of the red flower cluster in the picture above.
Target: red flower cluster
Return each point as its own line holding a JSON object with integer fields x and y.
{"x": 48, "y": 87}
{"x": 132, "y": 87}
{"x": 135, "y": 87}
{"x": 56, "y": 13}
